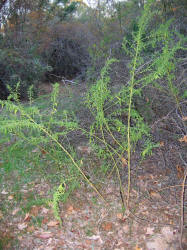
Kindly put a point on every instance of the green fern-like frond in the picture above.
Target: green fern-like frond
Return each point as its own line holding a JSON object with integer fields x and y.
{"x": 57, "y": 196}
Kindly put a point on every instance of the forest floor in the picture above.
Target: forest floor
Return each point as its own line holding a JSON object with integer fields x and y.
{"x": 152, "y": 223}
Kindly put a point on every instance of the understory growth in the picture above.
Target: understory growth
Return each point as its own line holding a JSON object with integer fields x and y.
{"x": 118, "y": 126}
{"x": 44, "y": 129}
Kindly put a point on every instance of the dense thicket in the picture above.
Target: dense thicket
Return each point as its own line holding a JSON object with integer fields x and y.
{"x": 29, "y": 45}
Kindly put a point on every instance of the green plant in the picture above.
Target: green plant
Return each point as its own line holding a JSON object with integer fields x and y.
{"x": 27, "y": 70}
{"x": 37, "y": 220}
{"x": 44, "y": 129}
{"x": 33, "y": 201}
{"x": 57, "y": 196}
{"x": 98, "y": 55}
{"x": 116, "y": 118}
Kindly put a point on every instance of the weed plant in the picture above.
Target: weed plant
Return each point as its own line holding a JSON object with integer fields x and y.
{"x": 44, "y": 130}
{"x": 116, "y": 118}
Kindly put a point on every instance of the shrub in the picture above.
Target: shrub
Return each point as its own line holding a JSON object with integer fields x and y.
{"x": 116, "y": 118}
{"x": 16, "y": 67}
{"x": 3, "y": 90}
{"x": 67, "y": 49}
{"x": 48, "y": 130}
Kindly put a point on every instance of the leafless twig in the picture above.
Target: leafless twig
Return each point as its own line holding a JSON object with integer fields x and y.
{"x": 182, "y": 210}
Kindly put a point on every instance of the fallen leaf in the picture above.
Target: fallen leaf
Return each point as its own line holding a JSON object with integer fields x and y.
{"x": 150, "y": 230}
{"x": 151, "y": 177}
{"x": 161, "y": 144}
{"x": 1, "y": 214}
{"x": 84, "y": 149}
{"x": 35, "y": 150}
{"x": 4, "y": 192}
{"x": 137, "y": 248}
{"x": 141, "y": 177}
{"x": 119, "y": 216}
{"x": 158, "y": 243}
{"x": 27, "y": 217}
{"x": 124, "y": 161}
{"x": 10, "y": 197}
{"x": 168, "y": 234}
{"x": 8, "y": 246}
{"x": 44, "y": 210}
{"x": 22, "y": 226}
{"x": 183, "y": 139}
{"x": 20, "y": 237}
{"x": 142, "y": 183}
{"x": 88, "y": 242}
{"x": 155, "y": 195}
{"x": 25, "y": 191}
{"x": 45, "y": 220}
{"x": 95, "y": 237}
{"x": 126, "y": 229}
{"x": 14, "y": 212}
{"x": 44, "y": 235}
{"x": 107, "y": 226}
{"x": 180, "y": 172}
{"x": 43, "y": 152}
{"x": 70, "y": 209}
{"x": 34, "y": 210}
{"x": 53, "y": 223}
{"x": 30, "y": 229}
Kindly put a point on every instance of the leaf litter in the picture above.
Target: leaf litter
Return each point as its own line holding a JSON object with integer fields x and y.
{"x": 88, "y": 225}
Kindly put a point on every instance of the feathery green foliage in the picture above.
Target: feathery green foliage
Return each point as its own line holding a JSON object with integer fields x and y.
{"x": 118, "y": 126}
{"x": 116, "y": 118}
{"x": 56, "y": 198}
{"x": 30, "y": 125}
{"x": 44, "y": 129}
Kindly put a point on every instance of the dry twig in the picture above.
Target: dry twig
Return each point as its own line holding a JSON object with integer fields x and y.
{"x": 182, "y": 208}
